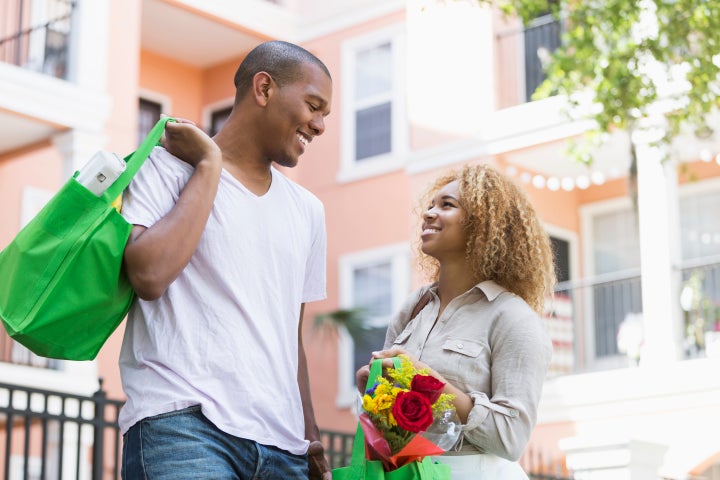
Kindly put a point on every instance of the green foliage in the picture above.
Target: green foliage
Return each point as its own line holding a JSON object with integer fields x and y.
{"x": 627, "y": 52}
{"x": 351, "y": 318}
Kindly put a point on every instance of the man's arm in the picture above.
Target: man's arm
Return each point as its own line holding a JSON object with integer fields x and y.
{"x": 319, "y": 469}
{"x": 155, "y": 256}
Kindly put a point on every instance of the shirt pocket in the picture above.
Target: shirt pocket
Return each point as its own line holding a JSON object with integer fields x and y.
{"x": 464, "y": 358}
{"x": 405, "y": 334}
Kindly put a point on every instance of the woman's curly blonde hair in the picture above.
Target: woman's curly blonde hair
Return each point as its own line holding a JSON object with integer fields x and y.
{"x": 505, "y": 241}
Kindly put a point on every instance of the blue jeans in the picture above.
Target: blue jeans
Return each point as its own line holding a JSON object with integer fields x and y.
{"x": 184, "y": 445}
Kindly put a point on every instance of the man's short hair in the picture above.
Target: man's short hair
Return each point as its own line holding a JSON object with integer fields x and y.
{"x": 282, "y": 60}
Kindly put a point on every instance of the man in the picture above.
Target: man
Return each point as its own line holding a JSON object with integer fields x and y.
{"x": 223, "y": 254}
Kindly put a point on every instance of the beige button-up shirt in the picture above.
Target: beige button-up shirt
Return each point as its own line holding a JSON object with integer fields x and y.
{"x": 489, "y": 343}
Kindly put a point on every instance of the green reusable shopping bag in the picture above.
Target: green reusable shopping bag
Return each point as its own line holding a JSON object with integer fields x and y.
{"x": 62, "y": 287}
{"x": 361, "y": 468}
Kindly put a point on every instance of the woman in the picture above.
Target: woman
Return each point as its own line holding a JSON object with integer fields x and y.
{"x": 480, "y": 332}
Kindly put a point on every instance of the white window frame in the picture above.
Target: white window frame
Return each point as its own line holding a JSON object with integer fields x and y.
{"x": 398, "y": 255}
{"x": 350, "y": 168}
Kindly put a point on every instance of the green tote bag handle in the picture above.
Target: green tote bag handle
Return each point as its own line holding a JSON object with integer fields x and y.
{"x": 136, "y": 160}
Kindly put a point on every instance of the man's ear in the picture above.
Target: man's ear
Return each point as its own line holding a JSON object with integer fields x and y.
{"x": 263, "y": 84}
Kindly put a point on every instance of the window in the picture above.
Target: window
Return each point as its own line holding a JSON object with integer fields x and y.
{"x": 612, "y": 256}
{"x": 148, "y": 115}
{"x": 541, "y": 38}
{"x": 374, "y": 135}
{"x": 377, "y": 282}
{"x": 700, "y": 224}
{"x": 373, "y": 102}
{"x": 616, "y": 241}
{"x": 616, "y": 248}
{"x": 218, "y": 118}
{"x": 42, "y": 39}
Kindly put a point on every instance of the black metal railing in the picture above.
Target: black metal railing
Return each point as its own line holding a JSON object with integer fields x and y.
{"x": 700, "y": 302}
{"x": 38, "y": 45}
{"x": 338, "y": 447}
{"x": 52, "y": 435}
{"x": 604, "y": 304}
{"x": 521, "y": 53}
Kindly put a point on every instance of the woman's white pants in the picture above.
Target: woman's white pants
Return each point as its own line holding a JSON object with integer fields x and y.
{"x": 482, "y": 466}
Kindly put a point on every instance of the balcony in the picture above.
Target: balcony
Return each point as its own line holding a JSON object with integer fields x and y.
{"x": 39, "y": 41}
{"x": 598, "y": 325}
{"x": 520, "y": 53}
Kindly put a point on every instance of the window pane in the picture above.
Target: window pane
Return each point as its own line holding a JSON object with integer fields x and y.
{"x": 373, "y": 72}
{"x": 218, "y": 119}
{"x": 148, "y": 115}
{"x": 373, "y": 134}
{"x": 372, "y": 289}
{"x": 617, "y": 248}
{"x": 616, "y": 242}
{"x": 700, "y": 225}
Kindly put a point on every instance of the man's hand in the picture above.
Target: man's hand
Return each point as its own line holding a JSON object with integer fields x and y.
{"x": 189, "y": 143}
{"x": 318, "y": 467}
{"x": 361, "y": 378}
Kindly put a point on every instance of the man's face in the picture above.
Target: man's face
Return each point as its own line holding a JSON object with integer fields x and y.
{"x": 296, "y": 115}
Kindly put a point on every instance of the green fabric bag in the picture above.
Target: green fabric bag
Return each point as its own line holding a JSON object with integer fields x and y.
{"x": 62, "y": 287}
{"x": 361, "y": 468}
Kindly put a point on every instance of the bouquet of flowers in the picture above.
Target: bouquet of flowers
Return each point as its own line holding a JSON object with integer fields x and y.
{"x": 406, "y": 417}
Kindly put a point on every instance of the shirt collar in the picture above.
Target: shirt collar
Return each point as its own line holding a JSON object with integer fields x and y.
{"x": 490, "y": 289}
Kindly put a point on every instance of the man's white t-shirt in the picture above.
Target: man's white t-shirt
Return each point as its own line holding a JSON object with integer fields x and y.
{"x": 225, "y": 333}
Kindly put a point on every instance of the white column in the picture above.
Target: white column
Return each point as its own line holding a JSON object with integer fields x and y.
{"x": 646, "y": 458}
{"x": 89, "y": 45}
{"x": 76, "y": 147}
{"x": 659, "y": 249}
{"x": 436, "y": 32}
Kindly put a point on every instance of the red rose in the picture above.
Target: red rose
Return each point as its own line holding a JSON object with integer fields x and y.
{"x": 413, "y": 411}
{"x": 427, "y": 385}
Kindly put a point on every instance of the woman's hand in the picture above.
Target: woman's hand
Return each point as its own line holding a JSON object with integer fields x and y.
{"x": 363, "y": 373}
{"x": 388, "y": 354}
{"x": 463, "y": 403}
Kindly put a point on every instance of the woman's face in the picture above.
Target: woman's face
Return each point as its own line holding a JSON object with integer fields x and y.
{"x": 443, "y": 235}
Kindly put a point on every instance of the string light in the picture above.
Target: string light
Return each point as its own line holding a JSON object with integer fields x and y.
{"x": 584, "y": 181}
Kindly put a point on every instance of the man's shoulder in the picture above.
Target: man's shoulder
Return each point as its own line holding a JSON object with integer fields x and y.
{"x": 166, "y": 160}
{"x": 297, "y": 189}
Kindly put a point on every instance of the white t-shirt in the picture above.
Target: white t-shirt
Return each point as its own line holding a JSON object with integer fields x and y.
{"x": 224, "y": 334}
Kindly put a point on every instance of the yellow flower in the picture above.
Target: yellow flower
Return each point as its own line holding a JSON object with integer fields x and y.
{"x": 369, "y": 403}
{"x": 383, "y": 402}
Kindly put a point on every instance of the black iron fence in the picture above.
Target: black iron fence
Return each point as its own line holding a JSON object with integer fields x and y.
{"x": 608, "y": 311}
{"x": 521, "y": 54}
{"x": 48, "y": 435}
{"x": 53, "y": 435}
{"x": 35, "y": 39}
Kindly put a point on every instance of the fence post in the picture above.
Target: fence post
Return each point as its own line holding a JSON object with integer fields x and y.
{"x": 100, "y": 400}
